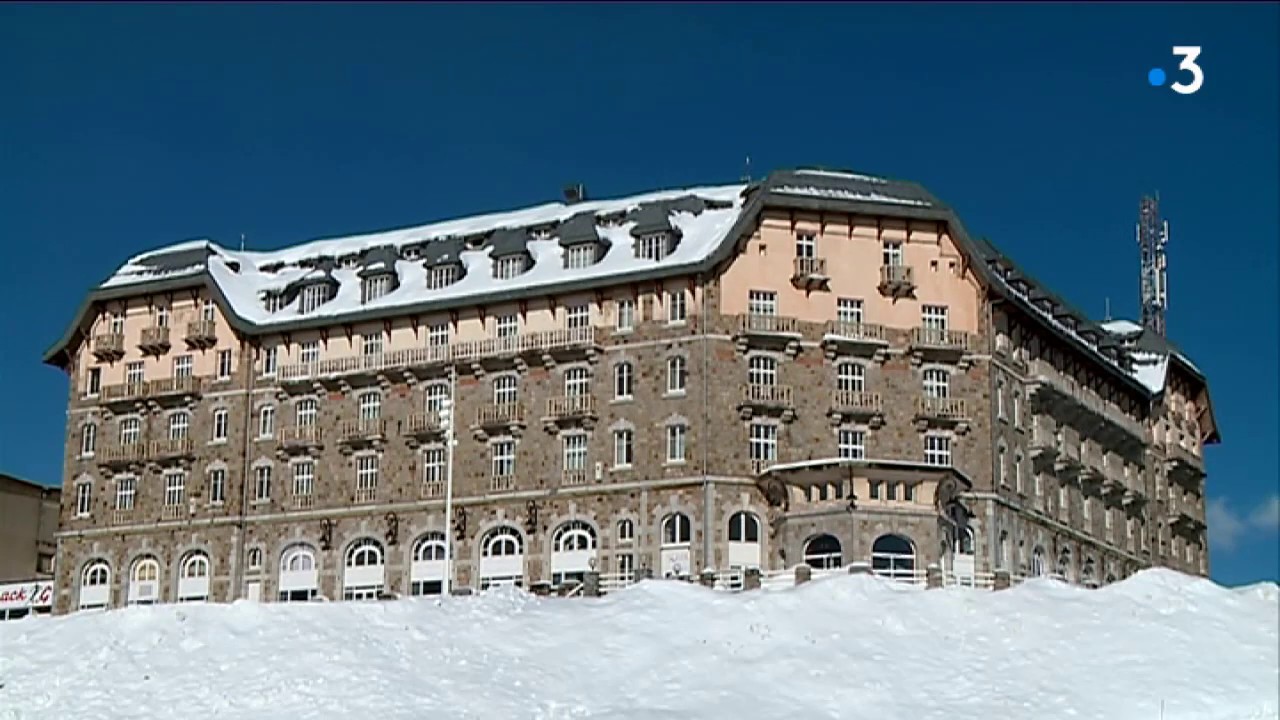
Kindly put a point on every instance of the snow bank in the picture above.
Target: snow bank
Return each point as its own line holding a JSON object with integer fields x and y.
{"x": 844, "y": 647}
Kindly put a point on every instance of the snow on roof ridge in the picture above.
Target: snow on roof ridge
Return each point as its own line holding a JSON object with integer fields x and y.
{"x": 1121, "y": 327}
{"x": 842, "y": 174}
{"x": 847, "y": 194}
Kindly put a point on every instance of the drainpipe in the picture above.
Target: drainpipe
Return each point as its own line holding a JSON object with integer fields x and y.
{"x": 993, "y": 533}
{"x": 707, "y": 493}
{"x": 237, "y": 575}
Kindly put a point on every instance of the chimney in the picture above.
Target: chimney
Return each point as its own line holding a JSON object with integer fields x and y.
{"x": 575, "y": 193}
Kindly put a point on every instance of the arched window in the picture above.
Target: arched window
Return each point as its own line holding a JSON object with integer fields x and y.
{"x": 501, "y": 557}
{"x": 1037, "y": 562}
{"x": 426, "y": 572}
{"x": 255, "y": 558}
{"x": 144, "y": 581}
{"x": 573, "y": 549}
{"x": 744, "y": 540}
{"x": 363, "y": 577}
{"x": 823, "y": 553}
{"x": 676, "y": 529}
{"x": 622, "y": 381}
{"x": 893, "y": 556}
{"x": 626, "y": 531}
{"x": 193, "y": 577}
{"x": 966, "y": 542}
{"x": 299, "y": 580}
{"x": 95, "y": 586}
{"x": 88, "y": 439}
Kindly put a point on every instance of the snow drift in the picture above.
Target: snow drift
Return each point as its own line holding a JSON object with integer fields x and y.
{"x": 844, "y": 647}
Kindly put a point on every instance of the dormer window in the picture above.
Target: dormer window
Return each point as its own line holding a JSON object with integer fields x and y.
{"x": 542, "y": 233}
{"x": 442, "y": 276}
{"x": 653, "y": 246}
{"x": 412, "y": 253}
{"x": 580, "y": 256}
{"x": 162, "y": 317}
{"x": 374, "y": 287}
{"x": 349, "y": 261}
{"x": 312, "y": 297}
{"x": 508, "y": 267}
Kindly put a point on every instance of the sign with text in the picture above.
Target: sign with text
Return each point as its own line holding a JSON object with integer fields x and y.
{"x": 32, "y": 594}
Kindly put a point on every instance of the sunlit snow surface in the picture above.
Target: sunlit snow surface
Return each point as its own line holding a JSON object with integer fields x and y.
{"x": 845, "y": 647}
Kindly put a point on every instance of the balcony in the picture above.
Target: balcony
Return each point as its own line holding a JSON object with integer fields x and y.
{"x": 163, "y": 391}
{"x": 767, "y": 331}
{"x": 123, "y": 394}
{"x": 362, "y": 433}
{"x": 499, "y": 417}
{"x": 897, "y": 281}
{"x": 119, "y": 456}
{"x": 1185, "y": 467}
{"x": 202, "y": 334}
{"x": 1134, "y": 499}
{"x": 300, "y": 439}
{"x": 420, "y": 426}
{"x": 1070, "y": 403}
{"x": 810, "y": 273}
{"x": 155, "y": 341}
{"x": 567, "y": 409}
{"x": 171, "y": 449}
{"x": 850, "y": 338}
{"x": 302, "y": 502}
{"x": 549, "y": 347}
{"x": 942, "y": 412}
{"x": 121, "y": 517}
{"x": 430, "y": 489}
{"x": 1066, "y": 463}
{"x": 571, "y": 478}
{"x": 767, "y": 400}
{"x": 173, "y": 512}
{"x": 1185, "y": 521}
{"x": 940, "y": 345}
{"x": 1113, "y": 489}
{"x": 1092, "y": 471}
{"x": 1043, "y": 445}
{"x": 502, "y": 483}
{"x": 850, "y": 406}
{"x": 108, "y": 347}
{"x": 365, "y": 494}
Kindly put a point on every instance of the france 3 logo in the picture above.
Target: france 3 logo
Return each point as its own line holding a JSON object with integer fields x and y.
{"x": 1189, "y": 53}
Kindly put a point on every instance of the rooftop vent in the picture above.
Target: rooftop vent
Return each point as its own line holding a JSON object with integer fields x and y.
{"x": 575, "y": 193}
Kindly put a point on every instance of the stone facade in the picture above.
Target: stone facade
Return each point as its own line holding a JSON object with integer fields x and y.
{"x": 259, "y": 476}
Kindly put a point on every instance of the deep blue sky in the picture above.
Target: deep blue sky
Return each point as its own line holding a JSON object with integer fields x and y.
{"x": 124, "y": 128}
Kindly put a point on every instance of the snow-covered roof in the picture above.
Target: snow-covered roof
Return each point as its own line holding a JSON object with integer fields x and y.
{"x": 1121, "y": 327}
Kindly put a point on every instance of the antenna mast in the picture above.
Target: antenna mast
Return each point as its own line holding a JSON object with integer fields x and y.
{"x": 1153, "y": 235}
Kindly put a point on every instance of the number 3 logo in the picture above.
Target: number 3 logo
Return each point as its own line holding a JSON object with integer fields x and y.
{"x": 1189, "y": 54}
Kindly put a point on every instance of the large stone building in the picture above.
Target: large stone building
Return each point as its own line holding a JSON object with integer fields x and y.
{"x": 820, "y": 367}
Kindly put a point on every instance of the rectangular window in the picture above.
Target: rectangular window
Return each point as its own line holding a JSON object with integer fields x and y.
{"x": 763, "y": 443}
{"x": 312, "y": 297}
{"x": 851, "y": 377}
{"x": 676, "y": 375}
{"x": 207, "y": 312}
{"x": 1062, "y": 498}
{"x": 126, "y": 489}
{"x": 507, "y": 326}
{"x": 267, "y": 422}
{"x": 133, "y": 373}
{"x": 1017, "y": 408}
{"x": 909, "y": 492}
{"x": 623, "y": 448}
{"x": 849, "y": 311}
{"x": 309, "y": 352}
{"x": 934, "y": 317}
{"x": 762, "y": 370}
{"x": 579, "y": 256}
{"x": 175, "y": 491}
{"x": 575, "y": 452}
{"x": 852, "y": 444}
{"x": 433, "y": 465}
{"x": 130, "y": 430}
{"x": 677, "y": 312}
{"x": 937, "y": 450}
{"x": 891, "y": 491}
{"x": 577, "y": 317}
{"x": 371, "y": 345}
{"x": 367, "y": 468}
{"x": 873, "y": 489}
{"x": 806, "y": 245}
{"x": 893, "y": 254}
{"x": 224, "y": 364}
{"x": 626, "y": 566}
{"x": 441, "y": 276}
{"x": 438, "y": 335}
{"x": 217, "y": 486}
{"x": 626, "y": 320}
{"x": 1086, "y": 512}
{"x": 1017, "y": 472}
{"x": 117, "y": 323}
{"x": 304, "y": 413}
{"x": 653, "y": 246}
{"x": 88, "y": 440}
{"x": 371, "y": 406}
{"x": 762, "y": 302}
{"x": 676, "y": 435}
{"x": 84, "y": 499}
{"x": 179, "y": 424}
{"x": 577, "y": 382}
{"x": 374, "y": 287}
{"x": 622, "y": 381}
{"x": 937, "y": 383}
{"x": 305, "y": 478}
{"x": 262, "y": 483}
{"x": 182, "y": 366}
{"x": 162, "y": 317}
{"x": 506, "y": 390}
{"x": 94, "y": 386}
{"x": 1000, "y": 398}
{"x": 504, "y": 458}
{"x": 508, "y": 267}
{"x": 269, "y": 361}
{"x": 220, "y": 417}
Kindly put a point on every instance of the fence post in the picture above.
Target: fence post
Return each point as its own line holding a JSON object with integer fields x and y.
{"x": 591, "y": 584}
{"x": 933, "y": 576}
{"x": 804, "y": 574}
{"x": 708, "y": 578}
{"x": 751, "y": 579}
{"x": 860, "y": 568}
{"x": 1002, "y": 580}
